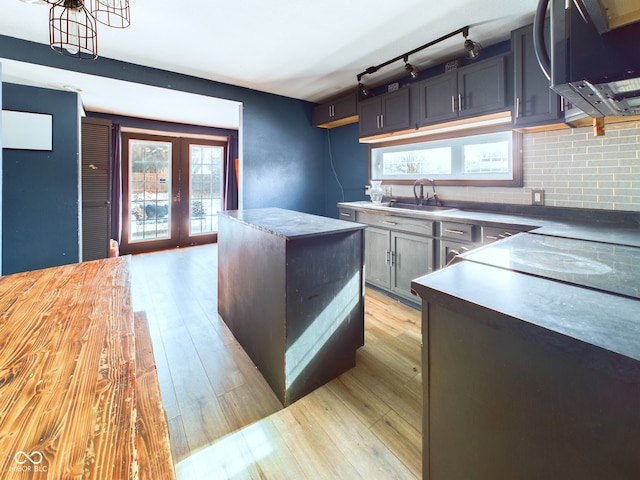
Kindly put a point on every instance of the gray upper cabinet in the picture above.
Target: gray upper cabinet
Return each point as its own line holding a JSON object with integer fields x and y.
{"x": 435, "y": 99}
{"x": 482, "y": 87}
{"x": 476, "y": 89}
{"x": 334, "y": 113}
{"x": 389, "y": 112}
{"x": 535, "y": 103}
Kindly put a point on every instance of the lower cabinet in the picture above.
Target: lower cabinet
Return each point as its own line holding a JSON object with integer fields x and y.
{"x": 456, "y": 238}
{"x": 394, "y": 259}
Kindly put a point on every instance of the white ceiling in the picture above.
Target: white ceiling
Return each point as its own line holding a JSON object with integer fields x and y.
{"x": 296, "y": 48}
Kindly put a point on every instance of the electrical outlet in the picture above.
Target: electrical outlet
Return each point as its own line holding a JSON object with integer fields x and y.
{"x": 537, "y": 196}
{"x": 367, "y": 189}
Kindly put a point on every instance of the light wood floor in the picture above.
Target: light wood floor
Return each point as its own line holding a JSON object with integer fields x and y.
{"x": 224, "y": 420}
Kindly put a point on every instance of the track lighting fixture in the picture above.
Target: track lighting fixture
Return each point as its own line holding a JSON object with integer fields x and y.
{"x": 363, "y": 91}
{"x": 472, "y": 50}
{"x": 73, "y": 24}
{"x": 411, "y": 70}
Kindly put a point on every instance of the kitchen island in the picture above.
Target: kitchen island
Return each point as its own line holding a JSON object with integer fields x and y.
{"x": 531, "y": 361}
{"x": 290, "y": 289}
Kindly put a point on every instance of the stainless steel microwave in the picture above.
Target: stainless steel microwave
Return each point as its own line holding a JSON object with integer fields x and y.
{"x": 596, "y": 71}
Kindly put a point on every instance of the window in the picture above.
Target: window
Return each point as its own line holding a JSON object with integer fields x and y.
{"x": 491, "y": 159}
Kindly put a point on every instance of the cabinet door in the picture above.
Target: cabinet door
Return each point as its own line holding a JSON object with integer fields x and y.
{"x": 482, "y": 87}
{"x": 412, "y": 257}
{"x": 535, "y": 102}
{"x": 337, "y": 112}
{"x": 436, "y": 99}
{"x": 369, "y": 112}
{"x": 396, "y": 112}
{"x": 346, "y": 106}
{"x": 377, "y": 253}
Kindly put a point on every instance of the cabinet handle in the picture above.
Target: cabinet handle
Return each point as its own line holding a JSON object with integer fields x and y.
{"x": 392, "y": 259}
{"x": 459, "y": 102}
{"x": 517, "y": 107}
{"x": 388, "y": 222}
{"x": 344, "y": 214}
{"x": 453, "y": 104}
{"x": 562, "y": 104}
{"x": 457, "y": 232}
{"x": 381, "y": 122}
{"x": 387, "y": 257}
{"x": 491, "y": 237}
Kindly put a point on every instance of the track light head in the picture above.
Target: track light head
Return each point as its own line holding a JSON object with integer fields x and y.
{"x": 363, "y": 91}
{"x": 472, "y": 49}
{"x": 412, "y": 71}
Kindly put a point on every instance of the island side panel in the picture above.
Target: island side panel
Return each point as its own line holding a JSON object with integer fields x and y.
{"x": 502, "y": 404}
{"x": 251, "y": 295}
{"x": 325, "y": 309}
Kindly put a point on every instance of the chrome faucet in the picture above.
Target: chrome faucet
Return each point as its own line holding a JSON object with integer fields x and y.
{"x": 421, "y": 199}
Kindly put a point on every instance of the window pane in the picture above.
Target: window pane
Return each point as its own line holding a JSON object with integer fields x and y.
{"x": 419, "y": 162}
{"x": 150, "y": 189}
{"x": 205, "y": 167}
{"x": 474, "y": 157}
{"x": 486, "y": 157}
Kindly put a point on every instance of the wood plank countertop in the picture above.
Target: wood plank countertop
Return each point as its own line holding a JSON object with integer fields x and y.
{"x": 68, "y": 373}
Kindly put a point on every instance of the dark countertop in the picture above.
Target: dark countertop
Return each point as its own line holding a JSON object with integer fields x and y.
{"x": 600, "y": 266}
{"x": 569, "y": 317}
{"x": 291, "y": 224}
{"x": 573, "y": 280}
{"x": 576, "y": 227}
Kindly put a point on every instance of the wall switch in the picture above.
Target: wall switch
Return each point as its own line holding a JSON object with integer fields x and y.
{"x": 537, "y": 196}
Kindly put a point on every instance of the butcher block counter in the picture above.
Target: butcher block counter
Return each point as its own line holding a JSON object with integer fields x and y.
{"x": 68, "y": 396}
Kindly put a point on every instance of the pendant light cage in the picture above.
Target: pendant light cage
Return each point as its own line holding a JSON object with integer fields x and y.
{"x": 113, "y": 13}
{"x": 72, "y": 30}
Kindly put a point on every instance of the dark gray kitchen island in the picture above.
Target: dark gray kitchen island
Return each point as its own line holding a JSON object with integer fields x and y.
{"x": 290, "y": 289}
{"x": 531, "y": 362}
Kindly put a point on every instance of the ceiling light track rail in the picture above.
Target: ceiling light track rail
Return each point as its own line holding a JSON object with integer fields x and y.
{"x": 405, "y": 56}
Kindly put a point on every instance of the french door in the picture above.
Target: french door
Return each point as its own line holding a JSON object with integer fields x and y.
{"x": 173, "y": 190}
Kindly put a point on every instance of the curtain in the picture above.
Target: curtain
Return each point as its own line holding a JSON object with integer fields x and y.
{"x": 231, "y": 174}
{"x": 116, "y": 183}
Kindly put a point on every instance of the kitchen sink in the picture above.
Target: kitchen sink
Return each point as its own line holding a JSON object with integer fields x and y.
{"x": 422, "y": 208}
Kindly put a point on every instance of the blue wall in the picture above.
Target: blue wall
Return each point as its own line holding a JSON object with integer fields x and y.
{"x": 350, "y": 162}
{"x": 40, "y": 201}
{"x": 286, "y": 160}
{"x": 282, "y": 152}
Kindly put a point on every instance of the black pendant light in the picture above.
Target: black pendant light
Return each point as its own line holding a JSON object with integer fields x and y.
{"x": 73, "y": 30}
{"x": 73, "y": 24}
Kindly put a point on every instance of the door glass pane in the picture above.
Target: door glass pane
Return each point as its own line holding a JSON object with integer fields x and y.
{"x": 150, "y": 190}
{"x": 205, "y": 188}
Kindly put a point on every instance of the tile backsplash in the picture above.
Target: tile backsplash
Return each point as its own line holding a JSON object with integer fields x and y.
{"x": 573, "y": 167}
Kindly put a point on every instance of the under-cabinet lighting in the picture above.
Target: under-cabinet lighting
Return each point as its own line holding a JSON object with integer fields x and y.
{"x": 501, "y": 118}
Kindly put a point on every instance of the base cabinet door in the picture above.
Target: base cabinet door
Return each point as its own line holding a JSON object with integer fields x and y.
{"x": 377, "y": 257}
{"x": 412, "y": 257}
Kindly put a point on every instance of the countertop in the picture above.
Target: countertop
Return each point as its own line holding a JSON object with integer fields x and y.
{"x": 573, "y": 282}
{"x": 578, "y": 228}
{"x": 576, "y": 320}
{"x": 291, "y": 224}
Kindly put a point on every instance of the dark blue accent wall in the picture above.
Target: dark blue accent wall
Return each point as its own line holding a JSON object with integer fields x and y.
{"x": 350, "y": 160}
{"x": 283, "y": 158}
{"x": 40, "y": 200}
